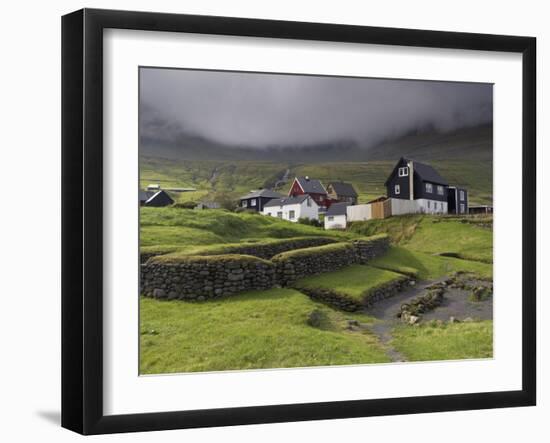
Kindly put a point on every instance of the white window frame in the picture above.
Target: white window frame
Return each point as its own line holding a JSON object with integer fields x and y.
{"x": 397, "y": 190}
{"x": 429, "y": 204}
{"x": 253, "y": 202}
{"x": 244, "y": 203}
{"x": 462, "y": 195}
{"x": 291, "y": 214}
{"x": 331, "y": 218}
{"x": 404, "y": 171}
{"x": 429, "y": 188}
{"x": 440, "y": 190}
{"x": 279, "y": 214}
{"x": 462, "y": 208}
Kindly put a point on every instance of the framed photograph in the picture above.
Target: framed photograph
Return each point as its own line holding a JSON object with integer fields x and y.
{"x": 269, "y": 221}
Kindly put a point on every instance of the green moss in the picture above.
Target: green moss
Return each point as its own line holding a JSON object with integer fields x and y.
{"x": 314, "y": 251}
{"x": 173, "y": 259}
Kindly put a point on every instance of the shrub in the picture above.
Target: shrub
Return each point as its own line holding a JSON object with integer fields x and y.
{"x": 310, "y": 222}
{"x": 185, "y": 205}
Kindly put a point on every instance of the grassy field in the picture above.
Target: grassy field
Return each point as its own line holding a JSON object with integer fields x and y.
{"x": 269, "y": 329}
{"x": 448, "y": 341}
{"x": 433, "y": 235}
{"x": 235, "y": 178}
{"x": 174, "y": 229}
{"x": 266, "y": 329}
{"x": 427, "y": 266}
{"x": 355, "y": 281}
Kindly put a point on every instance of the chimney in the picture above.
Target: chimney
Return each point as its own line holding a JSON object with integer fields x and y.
{"x": 411, "y": 180}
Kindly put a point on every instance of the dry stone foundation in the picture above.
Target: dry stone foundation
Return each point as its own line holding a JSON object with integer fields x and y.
{"x": 205, "y": 277}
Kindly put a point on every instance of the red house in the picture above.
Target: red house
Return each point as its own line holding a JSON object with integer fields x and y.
{"x": 314, "y": 188}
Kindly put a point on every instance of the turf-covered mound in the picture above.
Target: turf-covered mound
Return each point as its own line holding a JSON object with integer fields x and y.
{"x": 354, "y": 287}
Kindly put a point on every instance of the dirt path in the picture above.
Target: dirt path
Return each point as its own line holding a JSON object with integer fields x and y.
{"x": 455, "y": 304}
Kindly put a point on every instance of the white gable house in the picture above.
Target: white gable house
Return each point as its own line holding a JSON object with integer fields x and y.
{"x": 292, "y": 208}
{"x": 335, "y": 217}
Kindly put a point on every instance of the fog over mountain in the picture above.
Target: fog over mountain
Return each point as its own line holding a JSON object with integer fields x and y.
{"x": 259, "y": 111}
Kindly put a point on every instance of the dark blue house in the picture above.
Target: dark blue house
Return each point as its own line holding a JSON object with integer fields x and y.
{"x": 255, "y": 200}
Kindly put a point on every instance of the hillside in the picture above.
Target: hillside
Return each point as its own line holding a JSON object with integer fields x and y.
{"x": 464, "y": 157}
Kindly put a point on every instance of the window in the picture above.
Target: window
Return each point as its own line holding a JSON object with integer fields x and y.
{"x": 462, "y": 196}
{"x": 253, "y": 202}
{"x": 428, "y": 204}
{"x": 291, "y": 215}
{"x": 280, "y": 214}
{"x": 440, "y": 190}
{"x": 462, "y": 208}
{"x": 245, "y": 203}
{"x": 269, "y": 213}
{"x": 429, "y": 188}
{"x": 330, "y": 218}
{"x": 404, "y": 172}
{"x": 435, "y": 205}
{"x": 397, "y": 189}
{"x": 308, "y": 201}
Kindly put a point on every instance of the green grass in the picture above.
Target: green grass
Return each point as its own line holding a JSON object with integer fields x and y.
{"x": 355, "y": 281}
{"x": 402, "y": 259}
{"x": 262, "y": 329}
{"x": 445, "y": 342}
{"x": 465, "y": 240}
{"x": 174, "y": 229}
{"x": 434, "y": 235}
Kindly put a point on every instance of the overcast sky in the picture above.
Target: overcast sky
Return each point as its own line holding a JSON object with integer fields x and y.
{"x": 259, "y": 110}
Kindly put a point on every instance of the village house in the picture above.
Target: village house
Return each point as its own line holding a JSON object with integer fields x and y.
{"x": 155, "y": 198}
{"x": 457, "y": 200}
{"x": 415, "y": 187}
{"x": 311, "y": 187}
{"x": 335, "y": 217}
{"x": 292, "y": 208}
{"x": 342, "y": 192}
{"x": 256, "y": 200}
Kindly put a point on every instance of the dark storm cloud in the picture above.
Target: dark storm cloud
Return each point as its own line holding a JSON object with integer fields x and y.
{"x": 264, "y": 109}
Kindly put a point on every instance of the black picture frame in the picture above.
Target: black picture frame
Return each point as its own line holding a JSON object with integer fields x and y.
{"x": 82, "y": 215}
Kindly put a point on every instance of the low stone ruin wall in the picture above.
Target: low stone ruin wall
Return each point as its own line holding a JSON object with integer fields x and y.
{"x": 205, "y": 277}
{"x": 201, "y": 278}
{"x": 349, "y": 304}
{"x": 300, "y": 263}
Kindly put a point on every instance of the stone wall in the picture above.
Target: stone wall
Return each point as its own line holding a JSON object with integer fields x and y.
{"x": 201, "y": 278}
{"x": 204, "y": 277}
{"x": 294, "y": 265}
{"x": 300, "y": 263}
{"x": 261, "y": 250}
{"x": 347, "y": 303}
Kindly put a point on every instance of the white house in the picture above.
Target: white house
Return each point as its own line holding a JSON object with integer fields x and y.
{"x": 335, "y": 217}
{"x": 292, "y": 208}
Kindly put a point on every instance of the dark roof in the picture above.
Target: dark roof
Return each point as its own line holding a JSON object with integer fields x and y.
{"x": 337, "y": 209}
{"x": 311, "y": 185}
{"x": 426, "y": 172}
{"x": 159, "y": 198}
{"x": 261, "y": 193}
{"x": 286, "y": 201}
{"x": 146, "y": 195}
{"x": 343, "y": 189}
